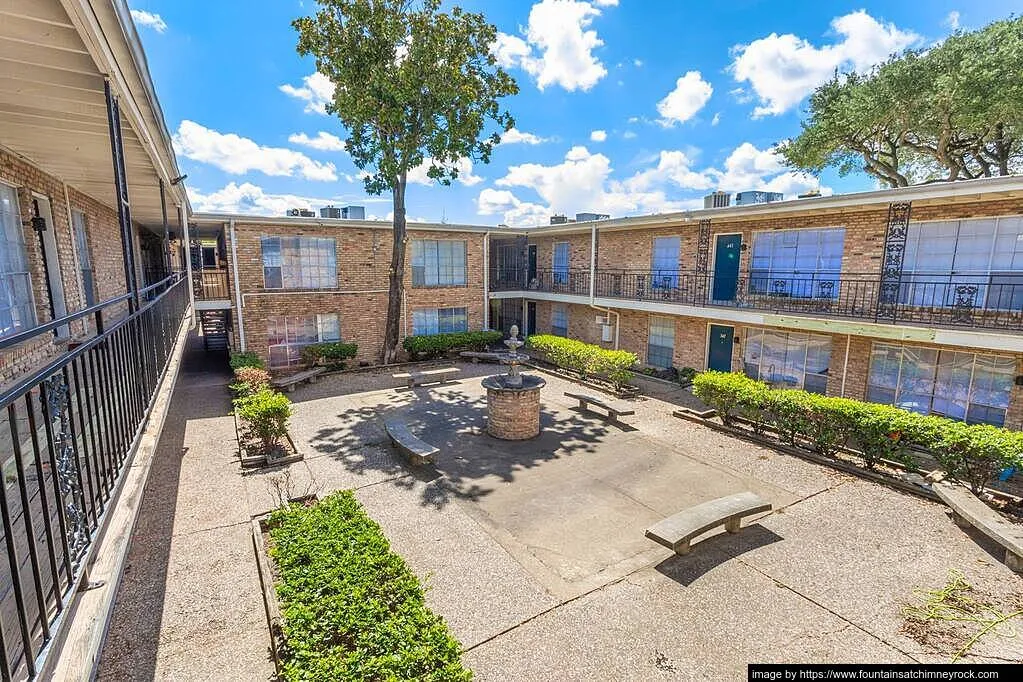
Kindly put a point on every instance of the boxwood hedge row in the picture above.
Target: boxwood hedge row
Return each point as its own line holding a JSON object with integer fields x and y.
{"x": 972, "y": 453}
{"x": 585, "y": 358}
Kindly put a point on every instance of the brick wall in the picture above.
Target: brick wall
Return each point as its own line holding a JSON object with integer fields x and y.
{"x": 105, "y": 249}
{"x": 360, "y": 299}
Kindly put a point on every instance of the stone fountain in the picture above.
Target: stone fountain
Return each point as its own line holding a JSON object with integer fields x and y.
{"x": 513, "y": 399}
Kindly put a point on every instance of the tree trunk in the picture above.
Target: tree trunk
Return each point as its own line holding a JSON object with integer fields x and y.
{"x": 396, "y": 274}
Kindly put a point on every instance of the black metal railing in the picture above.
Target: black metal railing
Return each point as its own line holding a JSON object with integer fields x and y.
{"x": 67, "y": 432}
{"x": 566, "y": 281}
{"x": 211, "y": 285}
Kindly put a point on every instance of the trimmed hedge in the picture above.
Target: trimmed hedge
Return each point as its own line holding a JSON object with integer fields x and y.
{"x": 239, "y": 360}
{"x": 329, "y": 353}
{"x": 265, "y": 414}
{"x": 429, "y": 346}
{"x": 249, "y": 380}
{"x": 351, "y": 608}
{"x": 973, "y": 454}
{"x": 585, "y": 358}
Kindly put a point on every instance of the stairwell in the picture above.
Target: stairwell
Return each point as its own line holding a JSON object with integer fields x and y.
{"x": 215, "y": 325}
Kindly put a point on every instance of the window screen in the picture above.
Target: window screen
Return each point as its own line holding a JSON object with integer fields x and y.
{"x": 17, "y": 312}
{"x": 438, "y": 263}
{"x": 299, "y": 263}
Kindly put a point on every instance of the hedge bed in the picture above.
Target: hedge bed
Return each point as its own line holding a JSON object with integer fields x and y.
{"x": 351, "y": 609}
{"x": 973, "y": 454}
{"x": 587, "y": 360}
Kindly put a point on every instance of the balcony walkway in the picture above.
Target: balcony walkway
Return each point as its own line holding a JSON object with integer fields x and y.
{"x": 189, "y": 605}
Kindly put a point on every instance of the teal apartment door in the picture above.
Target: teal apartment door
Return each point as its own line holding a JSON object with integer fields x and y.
{"x": 726, "y": 266}
{"x": 719, "y": 350}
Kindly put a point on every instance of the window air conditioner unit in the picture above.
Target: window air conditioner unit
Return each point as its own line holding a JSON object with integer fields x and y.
{"x": 600, "y": 320}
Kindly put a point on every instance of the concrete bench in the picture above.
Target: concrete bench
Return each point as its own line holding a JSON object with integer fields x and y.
{"x": 427, "y": 376}
{"x": 417, "y": 451}
{"x": 289, "y": 382}
{"x": 613, "y": 411}
{"x": 676, "y": 532}
{"x": 968, "y": 511}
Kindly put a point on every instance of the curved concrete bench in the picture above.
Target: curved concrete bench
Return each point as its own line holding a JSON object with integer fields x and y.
{"x": 416, "y": 450}
{"x": 676, "y": 532}
{"x": 613, "y": 411}
{"x": 968, "y": 511}
{"x": 288, "y": 383}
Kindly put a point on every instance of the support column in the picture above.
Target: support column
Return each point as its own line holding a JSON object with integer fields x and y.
{"x": 166, "y": 232}
{"x": 892, "y": 260}
{"x": 123, "y": 204}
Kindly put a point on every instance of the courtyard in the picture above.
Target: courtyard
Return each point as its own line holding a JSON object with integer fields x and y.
{"x": 533, "y": 552}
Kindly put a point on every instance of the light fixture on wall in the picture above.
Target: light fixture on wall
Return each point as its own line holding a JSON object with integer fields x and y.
{"x": 178, "y": 179}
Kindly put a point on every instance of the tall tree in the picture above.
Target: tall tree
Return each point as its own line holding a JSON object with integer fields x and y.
{"x": 413, "y": 86}
{"x": 951, "y": 112}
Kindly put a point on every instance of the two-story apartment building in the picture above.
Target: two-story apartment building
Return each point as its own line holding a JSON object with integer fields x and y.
{"x": 911, "y": 296}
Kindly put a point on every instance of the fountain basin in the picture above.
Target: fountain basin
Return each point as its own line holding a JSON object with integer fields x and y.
{"x": 513, "y": 408}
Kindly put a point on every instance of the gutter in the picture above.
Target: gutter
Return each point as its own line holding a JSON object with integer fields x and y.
{"x": 237, "y": 285}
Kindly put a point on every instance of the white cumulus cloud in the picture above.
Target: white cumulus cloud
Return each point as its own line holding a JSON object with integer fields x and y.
{"x": 952, "y": 20}
{"x": 689, "y": 96}
{"x": 316, "y": 91}
{"x": 514, "y": 212}
{"x": 783, "y": 69}
{"x": 324, "y": 141}
{"x": 516, "y": 136}
{"x": 598, "y": 135}
{"x": 149, "y": 20}
{"x": 419, "y": 175}
{"x": 237, "y": 155}
{"x": 558, "y": 47}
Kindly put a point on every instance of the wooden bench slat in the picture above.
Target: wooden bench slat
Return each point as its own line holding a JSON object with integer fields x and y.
{"x": 677, "y": 531}
{"x": 969, "y": 511}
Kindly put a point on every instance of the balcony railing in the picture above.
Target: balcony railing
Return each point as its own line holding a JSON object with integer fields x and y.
{"x": 984, "y": 301}
{"x": 67, "y": 433}
{"x": 570, "y": 281}
{"x": 211, "y": 285}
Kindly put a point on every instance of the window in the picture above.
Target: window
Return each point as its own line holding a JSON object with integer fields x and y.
{"x": 986, "y": 253}
{"x": 438, "y": 263}
{"x": 788, "y": 360}
{"x": 561, "y": 263}
{"x": 17, "y": 310}
{"x": 797, "y": 263}
{"x": 664, "y": 262}
{"x": 965, "y": 386}
{"x": 287, "y": 336}
{"x": 559, "y": 319}
{"x": 299, "y": 263}
{"x": 661, "y": 347}
{"x": 84, "y": 261}
{"x": 439, "y": 321}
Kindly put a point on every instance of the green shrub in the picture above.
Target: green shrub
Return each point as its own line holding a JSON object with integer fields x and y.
{"x": 266, "y": 415}
{"x": 585, "y": 358}
{"x": 686, "y": 375}
{"x": 972, "y": 454}
{"x": 239, "y": 360}
{"x": 351, "y": 608}
{"x": 429, "y": 346}
{"x": 333, "y": 354}
{"x": 249, "y": 380}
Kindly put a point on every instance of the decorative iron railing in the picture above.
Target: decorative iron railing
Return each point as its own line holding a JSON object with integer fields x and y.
{"x": 67, "y": 433}
{"x": 568, "y": 281}
{"x": 211, "y": 285}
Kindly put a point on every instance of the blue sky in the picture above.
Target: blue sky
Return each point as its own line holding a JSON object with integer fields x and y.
{"x": 626, "y": 107}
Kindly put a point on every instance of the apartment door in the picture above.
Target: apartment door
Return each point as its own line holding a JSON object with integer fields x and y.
{"x": 726, "y": 266}
{"x": 51, "y": 260}
{"x": 719, "y": 348}
{"x": 530, "y": 318}
{"x": 532, "y": 262}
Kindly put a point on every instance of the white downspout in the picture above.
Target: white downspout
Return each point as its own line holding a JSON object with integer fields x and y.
{"x": 237, "y": 285}
{"x": 188, "y": 262}
{"x": 845, "y": 365}
{"x": 593, "y": 287}
{"x": 486, "y": 280}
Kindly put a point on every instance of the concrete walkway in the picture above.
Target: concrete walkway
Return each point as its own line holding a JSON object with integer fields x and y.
{"x": 534, "y": 552}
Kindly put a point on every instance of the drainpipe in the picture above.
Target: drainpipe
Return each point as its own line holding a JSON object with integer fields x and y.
{"x": 237, "y": 285}
{"x": 593, "y": 288}
{"x": 187, "y": 238}
{"x": 486, "y": 280}
{"x": 845, "y": 365}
